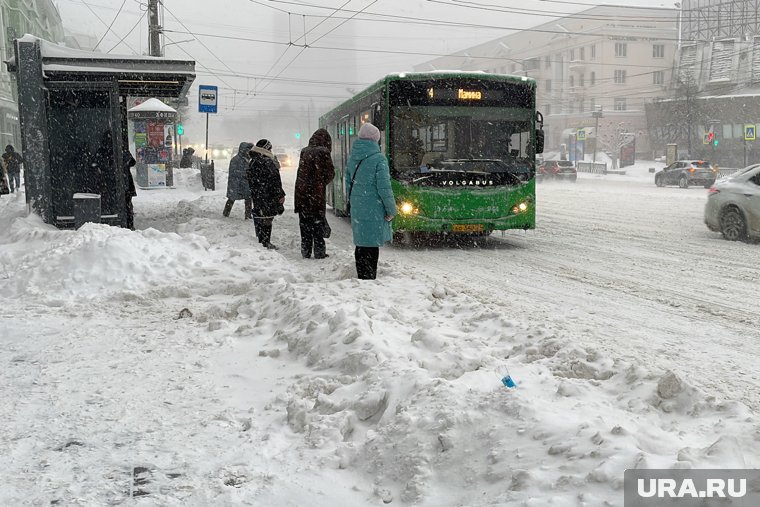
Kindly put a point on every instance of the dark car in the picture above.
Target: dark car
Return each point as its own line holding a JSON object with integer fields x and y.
{"x": 560, "y": 170}
{"x": 685, "y": 173}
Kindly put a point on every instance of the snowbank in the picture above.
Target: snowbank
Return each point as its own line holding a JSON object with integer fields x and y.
{"x": 288, "y": 382}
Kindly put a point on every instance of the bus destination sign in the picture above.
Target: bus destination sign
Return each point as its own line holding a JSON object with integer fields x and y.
{"x": 460, "y": 92}
{"x": 463, "y": 94}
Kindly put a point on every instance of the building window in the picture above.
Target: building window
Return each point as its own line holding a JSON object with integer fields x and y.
{"x": 548, "y": 109}
{"x": 514, "y": 68}
{"x": 619, "y": 104}
{"x": 572, "y": 55}
{"x": 593, "y": 51}
{"x": 619, "y": 77}
{"x": 548, "y": 85}
{"x": 582, "y": 53}
{"x": 581, "y": 107}
{"x": 572, "y": 81}
{"x": 621, "y": 49}
{"x": 593, "y": 78}
{"x": 582, "y": 80}
{"x": 592, "y": 104}
{"x": 727, "y": 128}
{"x": 658, "y": 77}
{"x": 547, "y": 62}
{"x": 658, "y": 51}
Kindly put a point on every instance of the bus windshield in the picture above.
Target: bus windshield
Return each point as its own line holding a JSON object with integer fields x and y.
{"x": 426, "y": 140}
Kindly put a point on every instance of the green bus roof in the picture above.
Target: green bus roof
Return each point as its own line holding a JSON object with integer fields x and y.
{"x": 420, "y": 76}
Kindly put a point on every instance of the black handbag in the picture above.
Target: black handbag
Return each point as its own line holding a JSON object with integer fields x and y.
{"x": 326, "y": 230}
{"x": 4, "y": 189}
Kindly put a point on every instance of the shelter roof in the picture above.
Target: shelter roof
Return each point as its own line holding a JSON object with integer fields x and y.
{"x": 136, "y": 75}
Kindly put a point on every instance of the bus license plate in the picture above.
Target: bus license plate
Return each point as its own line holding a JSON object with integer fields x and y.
{"x": 467, "y": 228}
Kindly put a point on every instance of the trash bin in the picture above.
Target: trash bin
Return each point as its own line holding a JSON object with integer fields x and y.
{"x": 86, "y": 209}
{"x": 207, "y": 176}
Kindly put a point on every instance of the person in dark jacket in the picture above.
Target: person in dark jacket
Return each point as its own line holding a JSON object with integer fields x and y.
{"x": 315, "y": 172}
{"x": 12, "y": 162}
{"x": 266, "y": 191}
{"x": 373, "y": 206}
{"x": 128, "y": 161}
{"x": 237, "y": 181}
{"x": 187, "y": 158}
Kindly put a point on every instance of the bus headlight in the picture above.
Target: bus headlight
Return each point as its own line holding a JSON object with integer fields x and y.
{"x": 520, "y": 208}
{"x": 407, "y": 208}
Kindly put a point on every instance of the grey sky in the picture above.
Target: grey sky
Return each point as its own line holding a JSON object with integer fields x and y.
{"x": 224, "y": 35}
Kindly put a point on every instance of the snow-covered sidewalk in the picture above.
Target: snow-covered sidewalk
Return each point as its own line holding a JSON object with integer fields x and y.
{"x": 181, "y": 364}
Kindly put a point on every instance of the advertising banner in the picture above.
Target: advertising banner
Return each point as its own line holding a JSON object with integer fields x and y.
{"x": 157, "y": 175}
{"x": 155, "y": 135}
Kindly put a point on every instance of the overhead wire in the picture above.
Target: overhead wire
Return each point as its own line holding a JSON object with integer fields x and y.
{"x": 145, "y": 13}
{"x": 111, "y": 25}
{"x": 108, "y": 28}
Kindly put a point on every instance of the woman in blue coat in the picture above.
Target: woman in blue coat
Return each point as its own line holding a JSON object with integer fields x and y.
{"x": 368, "y": 185}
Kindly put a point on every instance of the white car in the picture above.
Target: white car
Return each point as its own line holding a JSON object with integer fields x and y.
{"x": 733, "y": 205}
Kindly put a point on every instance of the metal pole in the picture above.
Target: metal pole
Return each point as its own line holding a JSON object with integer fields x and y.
{"x": 154, "y": 29}
{"x": 596, "y": 140}
{"x": 207, "y": 138}
{"x": 745, "y": 153}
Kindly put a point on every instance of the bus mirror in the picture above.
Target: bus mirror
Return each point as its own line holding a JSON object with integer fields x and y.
{"x": 539, "y": 141}
{"x": 378, "y": 118}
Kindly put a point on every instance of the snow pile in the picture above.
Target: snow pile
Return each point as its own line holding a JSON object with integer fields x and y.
{"x": 403, "y": 386}
{"x": 97, "y": 260}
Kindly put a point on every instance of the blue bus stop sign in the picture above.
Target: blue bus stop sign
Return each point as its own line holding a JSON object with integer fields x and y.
{"x": 207, "y": 98}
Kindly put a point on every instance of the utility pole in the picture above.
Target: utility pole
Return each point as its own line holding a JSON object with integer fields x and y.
{"x": 154, "y": 29}
{"x": 596, "y": 114}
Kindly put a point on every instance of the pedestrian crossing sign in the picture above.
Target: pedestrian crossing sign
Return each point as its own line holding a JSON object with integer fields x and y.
{"x": 580, "y": 135}
{"x": 749, "y": 132}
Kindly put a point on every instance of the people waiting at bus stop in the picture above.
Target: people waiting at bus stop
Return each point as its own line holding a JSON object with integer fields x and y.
{"x": 237, "y": 182}
{"x": 372, "y": 205}
{"x": 12, "y": 162}
{"x": 315, "y": 172}
{"x": 266, "y": 191}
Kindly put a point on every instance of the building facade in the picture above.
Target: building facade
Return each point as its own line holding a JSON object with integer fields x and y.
{"x": 19, "y": 17}
{"x": 716, "y": 84}
{"x": 611, "y": 59}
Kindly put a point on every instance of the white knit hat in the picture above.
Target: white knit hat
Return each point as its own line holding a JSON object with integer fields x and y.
{"x": 369, "y": 131}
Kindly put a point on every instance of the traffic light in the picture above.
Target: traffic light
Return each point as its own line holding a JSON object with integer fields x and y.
{"x": 298, "y": 135}
{"x": 180, "y": 129}
{"x": 715, "y": 142}
{"x": 711, "y": 136}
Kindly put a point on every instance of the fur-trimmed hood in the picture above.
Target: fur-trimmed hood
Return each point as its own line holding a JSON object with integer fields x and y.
{"x": 262, "y": 151}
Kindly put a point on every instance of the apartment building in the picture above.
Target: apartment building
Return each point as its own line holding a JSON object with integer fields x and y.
{"x": 609, "y": 58}
{"x": 716, "y": 84}
{"x": 19, "y": 17}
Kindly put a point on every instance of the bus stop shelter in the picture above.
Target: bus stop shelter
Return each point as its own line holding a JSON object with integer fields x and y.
{"x": 73, "y": 114}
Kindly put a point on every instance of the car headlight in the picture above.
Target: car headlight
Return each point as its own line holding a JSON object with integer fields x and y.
{"x": 407, "y": 208}
{"x": 521, "y": 207}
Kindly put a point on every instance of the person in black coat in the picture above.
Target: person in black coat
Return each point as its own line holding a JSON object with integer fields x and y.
{"x": 315, "y": 172}
{"x": 12, "y": 162}
{"x": 266, "y": 191}
{"x": 128, "y": 161}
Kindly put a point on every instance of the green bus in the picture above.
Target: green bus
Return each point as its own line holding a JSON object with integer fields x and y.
{"x": 461, "y": 148}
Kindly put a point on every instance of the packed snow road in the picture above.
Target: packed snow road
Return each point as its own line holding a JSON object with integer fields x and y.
{"x": 627, "y": 267}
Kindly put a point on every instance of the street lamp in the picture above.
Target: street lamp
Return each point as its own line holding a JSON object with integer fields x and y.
{"x": 679, "y": 6}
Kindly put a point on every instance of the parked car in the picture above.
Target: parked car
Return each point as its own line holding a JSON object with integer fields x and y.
{"x": 561, "y": 170}
{"x": 733, "y": 205}
{"x": 685, "y": 173}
